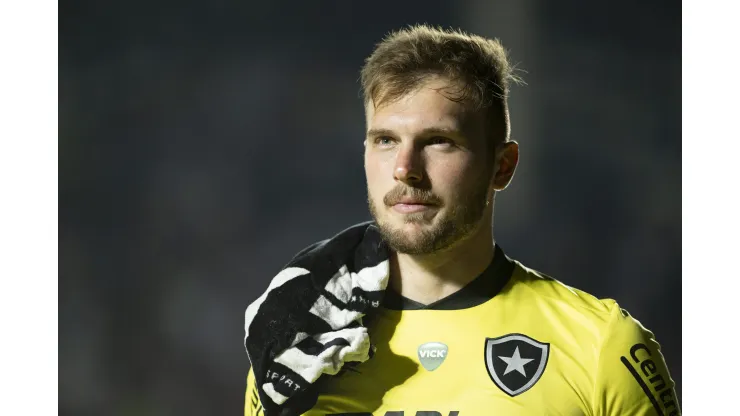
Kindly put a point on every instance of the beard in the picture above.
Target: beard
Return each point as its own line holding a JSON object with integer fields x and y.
{"x": 462, "y": 218}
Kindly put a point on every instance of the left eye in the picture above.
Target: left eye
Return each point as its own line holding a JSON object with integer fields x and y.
{"x": 440, "y": 140}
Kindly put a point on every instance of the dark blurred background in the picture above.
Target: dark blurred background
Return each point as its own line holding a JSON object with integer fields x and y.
{"x": 204, "y": 143}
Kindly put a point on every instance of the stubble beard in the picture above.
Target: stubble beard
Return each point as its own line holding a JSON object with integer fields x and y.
{"x": 450, "y": 227}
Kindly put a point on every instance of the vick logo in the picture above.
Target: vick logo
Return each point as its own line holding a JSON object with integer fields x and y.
{"x": 432, "y": 354}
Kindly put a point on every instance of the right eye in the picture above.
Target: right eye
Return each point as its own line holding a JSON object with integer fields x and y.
{"x": 384, "y": 140}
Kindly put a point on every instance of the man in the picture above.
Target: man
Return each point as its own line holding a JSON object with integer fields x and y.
{"x": 461, "y": 329}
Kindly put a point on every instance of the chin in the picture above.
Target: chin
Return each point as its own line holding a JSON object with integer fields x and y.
{"x": 411, "y": 231}
{"x": 415, "y": 237}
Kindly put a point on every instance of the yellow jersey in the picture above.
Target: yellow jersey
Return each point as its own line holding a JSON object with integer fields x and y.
{"x": 512, "y": 342}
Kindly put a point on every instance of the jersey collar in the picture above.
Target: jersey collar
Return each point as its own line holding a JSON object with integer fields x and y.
{"x": 482, "y": 289}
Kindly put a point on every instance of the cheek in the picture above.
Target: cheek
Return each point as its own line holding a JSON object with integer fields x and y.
{"x": 453, "y": 181}
{"x": 371, "y": 169}
{"x": 375, "y": 176}
{"x": 378, "y": 168}
{"x": 452, "y": 175}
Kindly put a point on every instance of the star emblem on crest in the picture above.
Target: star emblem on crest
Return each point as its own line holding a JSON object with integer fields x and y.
{"x": 515, "y": 362}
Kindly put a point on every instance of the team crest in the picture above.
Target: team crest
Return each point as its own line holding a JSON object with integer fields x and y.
{"x": 515, "y": 362}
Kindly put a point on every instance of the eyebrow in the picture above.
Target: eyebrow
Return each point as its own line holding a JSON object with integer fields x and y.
{"x": 426, "y": 132}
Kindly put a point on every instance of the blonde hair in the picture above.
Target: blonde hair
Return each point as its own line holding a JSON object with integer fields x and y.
{"x": 407, "y": 58}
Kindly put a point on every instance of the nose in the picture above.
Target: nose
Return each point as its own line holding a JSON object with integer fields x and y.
{"x": 408, "y": 168}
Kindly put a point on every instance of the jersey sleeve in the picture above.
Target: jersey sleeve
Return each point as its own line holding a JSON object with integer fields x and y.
{"x": 632, "y": 377}
{"x": 252, "y": 404}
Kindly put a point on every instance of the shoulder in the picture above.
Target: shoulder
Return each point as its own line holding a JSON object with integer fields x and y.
{"x": 574, "y": 309}
{"x": 337, "y": 244}
{"x": 604, "y": 318}
{"x": 550, "y": 292}
{"x": 308, "y": 250}
{"x": 629, "y": 367}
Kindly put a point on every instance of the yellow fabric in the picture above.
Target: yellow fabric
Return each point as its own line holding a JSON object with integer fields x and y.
{"x": 585, "y": 374}
{"x": 252, "y": 405}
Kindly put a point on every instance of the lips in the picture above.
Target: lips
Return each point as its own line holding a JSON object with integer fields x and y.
{"x": 410, "y": 201}
{"x": 411, "y": 206}
{"x": 410, "y": 198}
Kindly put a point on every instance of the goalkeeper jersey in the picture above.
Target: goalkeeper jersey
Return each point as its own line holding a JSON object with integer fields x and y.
{"x": 511, "y": 342}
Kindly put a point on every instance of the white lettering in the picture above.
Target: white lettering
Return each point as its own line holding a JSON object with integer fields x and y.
{"x": 433, "y": 354}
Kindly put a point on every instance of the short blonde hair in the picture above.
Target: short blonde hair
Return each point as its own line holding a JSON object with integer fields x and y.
{"x": 406, "y": 58}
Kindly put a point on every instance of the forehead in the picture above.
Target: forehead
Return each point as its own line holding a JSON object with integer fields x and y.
{"x": 427, "y": 106}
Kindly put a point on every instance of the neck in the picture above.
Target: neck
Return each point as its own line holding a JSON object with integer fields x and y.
{"x": 430, "y": 277}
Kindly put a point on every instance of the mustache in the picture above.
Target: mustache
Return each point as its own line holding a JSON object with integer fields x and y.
{"x": 398, "y": 193}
